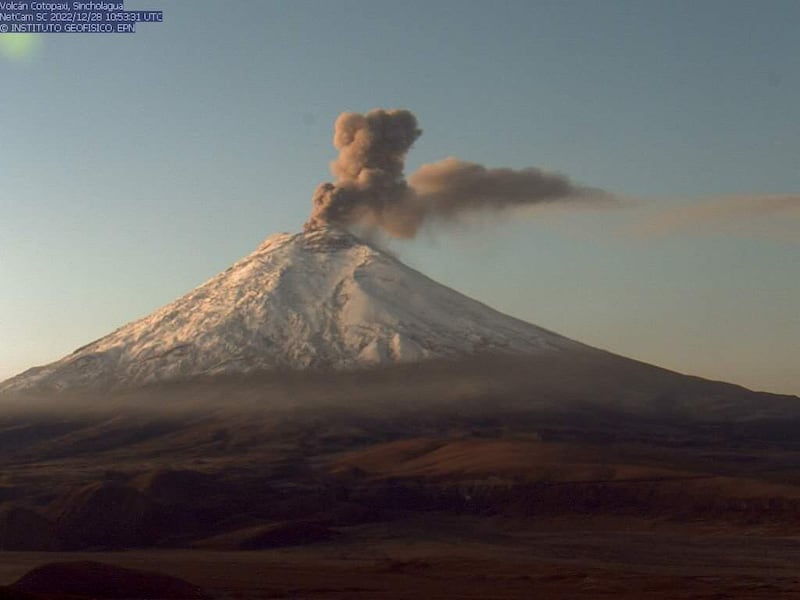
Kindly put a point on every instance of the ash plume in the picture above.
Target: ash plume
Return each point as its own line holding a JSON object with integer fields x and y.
{"x": 370, "y": 188}
{"x": 371, "y": 191}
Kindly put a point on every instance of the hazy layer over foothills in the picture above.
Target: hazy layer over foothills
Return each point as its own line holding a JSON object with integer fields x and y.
{"x": 179, "y": 150}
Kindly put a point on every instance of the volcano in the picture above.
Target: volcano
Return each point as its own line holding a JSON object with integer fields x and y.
{"x": 319, "y": 300}
{"x": 326, "y": 304}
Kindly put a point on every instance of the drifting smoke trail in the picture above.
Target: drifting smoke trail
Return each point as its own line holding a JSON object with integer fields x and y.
{"x": 371, "y": 191}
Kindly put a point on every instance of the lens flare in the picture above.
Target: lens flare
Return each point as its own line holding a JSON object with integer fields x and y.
{"x": 19, "y": 46}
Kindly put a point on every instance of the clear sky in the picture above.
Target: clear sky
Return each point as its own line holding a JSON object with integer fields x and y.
{"x": 135, "y": 167}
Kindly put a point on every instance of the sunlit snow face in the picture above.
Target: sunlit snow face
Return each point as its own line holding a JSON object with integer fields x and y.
{"x": 19, "y": 46}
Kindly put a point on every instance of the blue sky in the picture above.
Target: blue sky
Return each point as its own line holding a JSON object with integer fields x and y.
{"x": 135, "y": 167}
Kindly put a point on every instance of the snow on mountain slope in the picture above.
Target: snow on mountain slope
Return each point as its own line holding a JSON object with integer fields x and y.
{"x": 320, "y": 299}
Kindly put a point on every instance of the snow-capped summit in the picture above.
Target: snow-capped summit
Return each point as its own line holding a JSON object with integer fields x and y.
{"x": 319, "y": 299}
